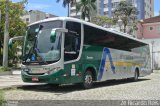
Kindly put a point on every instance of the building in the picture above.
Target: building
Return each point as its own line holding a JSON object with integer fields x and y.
{"x": 145, "y": 7}
{"x": 149, "y": 31}
{"x": 35, "y": 15}
{"x": 74, "y": 14}
{"x": 106, "y": 7}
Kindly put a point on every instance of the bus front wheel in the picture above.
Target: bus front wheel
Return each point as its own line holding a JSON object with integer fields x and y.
{"x": 88, "y": 79}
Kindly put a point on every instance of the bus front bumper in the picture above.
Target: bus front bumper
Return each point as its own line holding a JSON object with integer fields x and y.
{"x": 55, "y": 78}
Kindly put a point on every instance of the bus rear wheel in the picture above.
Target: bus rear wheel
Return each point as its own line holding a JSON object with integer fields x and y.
{"x": 88, "y": 79}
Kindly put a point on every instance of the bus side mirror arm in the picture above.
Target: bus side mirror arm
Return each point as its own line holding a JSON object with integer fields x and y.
{"x": 60, "y": 30}
{"x": 21, "y": 38}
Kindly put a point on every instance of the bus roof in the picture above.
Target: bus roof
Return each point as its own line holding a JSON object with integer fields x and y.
{"x": 90, "y": 24}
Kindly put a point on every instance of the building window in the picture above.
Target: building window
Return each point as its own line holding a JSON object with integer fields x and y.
{"x": 150, "y": 28}
{"x": 27, "y": 19}
{"x": 106, "y": 13}
{"x": 105, "y": 5}
{"x": 73, "y": 11}
{"x": 115, "y": 4}
{"x": 73, "y": 5}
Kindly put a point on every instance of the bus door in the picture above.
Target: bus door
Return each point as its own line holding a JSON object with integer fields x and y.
{"x": 72, "y": 43}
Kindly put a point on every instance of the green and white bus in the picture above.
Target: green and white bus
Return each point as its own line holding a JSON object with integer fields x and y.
{"x": 65, "y": 50}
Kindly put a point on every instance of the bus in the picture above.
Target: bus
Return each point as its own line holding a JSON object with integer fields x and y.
{"x": 66, "y": 50}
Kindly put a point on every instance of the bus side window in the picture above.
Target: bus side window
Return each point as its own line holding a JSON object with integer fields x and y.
{"x": 72, "y": 41}
{"x": 71, "y": 47}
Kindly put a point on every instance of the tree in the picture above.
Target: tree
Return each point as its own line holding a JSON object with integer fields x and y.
{"x": 67, "y": 3}
{"x": 102, "y": 21}
{"x": 16, "y": 26}
{"x": 86, "y": 7}
{"x": 127, "y": 13}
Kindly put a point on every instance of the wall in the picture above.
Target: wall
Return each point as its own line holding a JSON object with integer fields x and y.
{"x": 148, "y": 30}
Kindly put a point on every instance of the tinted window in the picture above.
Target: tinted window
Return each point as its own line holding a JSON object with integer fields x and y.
{"x": 72, "y": 41}
{"x": 98, "y": 37}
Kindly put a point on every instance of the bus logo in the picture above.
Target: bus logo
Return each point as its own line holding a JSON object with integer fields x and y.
{"x": 106, "y": 52}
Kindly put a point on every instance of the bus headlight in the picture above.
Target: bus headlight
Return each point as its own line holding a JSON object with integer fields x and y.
{"x": 25, "y": 69}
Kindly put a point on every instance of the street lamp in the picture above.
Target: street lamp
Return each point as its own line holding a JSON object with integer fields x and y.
{"x": 120, "y": 23}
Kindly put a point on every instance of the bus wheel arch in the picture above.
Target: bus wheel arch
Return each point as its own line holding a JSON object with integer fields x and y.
{"x": 93, "y": 71}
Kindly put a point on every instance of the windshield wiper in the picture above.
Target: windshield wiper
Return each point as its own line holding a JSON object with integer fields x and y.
{"x": 31, "y": 50}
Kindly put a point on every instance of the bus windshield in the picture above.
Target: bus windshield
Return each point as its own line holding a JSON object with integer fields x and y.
{"x": 38, "y": 47}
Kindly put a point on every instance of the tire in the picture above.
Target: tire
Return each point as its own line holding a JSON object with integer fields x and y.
{"x": 87, "y": 80}
{"x": 135, "y": 76}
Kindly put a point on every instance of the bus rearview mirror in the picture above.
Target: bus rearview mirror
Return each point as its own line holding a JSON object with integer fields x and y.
{"x": 53, "y": 36}
{"x": 10, "y": 43}
{"x": 54, "y": 33}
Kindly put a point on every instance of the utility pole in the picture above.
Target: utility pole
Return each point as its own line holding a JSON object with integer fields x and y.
{"x": 6, "y": 34}
{"x": 0, "y": 16}
{"x": 152, "y": 56}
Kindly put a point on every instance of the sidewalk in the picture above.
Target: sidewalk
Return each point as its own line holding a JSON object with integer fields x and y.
{"x": 7, "y": 81}
{"x": 12, "y": 78}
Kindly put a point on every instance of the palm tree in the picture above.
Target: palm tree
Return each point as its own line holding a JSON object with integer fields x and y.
{"x": 86, "y": 7}
{"x": 67, "y": 3}
{"x": 126, "y": 12}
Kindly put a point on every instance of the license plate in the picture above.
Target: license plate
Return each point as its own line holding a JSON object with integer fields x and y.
{"x": 35, "y": 79}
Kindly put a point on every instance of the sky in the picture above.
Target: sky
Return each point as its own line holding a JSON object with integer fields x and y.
{"x": 156, "y": 7}
{"x": 51, "y": 6}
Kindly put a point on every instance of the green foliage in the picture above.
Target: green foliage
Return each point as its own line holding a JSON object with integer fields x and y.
{"x": 67, "y": 3}
{"x": 102, "y": 20}
{"x": 86, "y": 7}
{"x": 1, "y": 98}
{"x": 3, "y": 69}
{"x": 127, "y": 13}
{"x": 16, "y": 26}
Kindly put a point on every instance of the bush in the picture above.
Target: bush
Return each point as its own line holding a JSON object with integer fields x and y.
{"x": 1, "y": 98}
{"x": 4, "y": 69}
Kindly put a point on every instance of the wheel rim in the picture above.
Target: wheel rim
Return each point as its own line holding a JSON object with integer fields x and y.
{"x": 88, "y": 79}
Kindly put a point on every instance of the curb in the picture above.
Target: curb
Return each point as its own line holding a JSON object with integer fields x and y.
{"x": 16, "y": 72}
{"x": 11, "y": 87}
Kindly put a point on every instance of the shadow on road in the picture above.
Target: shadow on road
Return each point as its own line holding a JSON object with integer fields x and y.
{"x": 63, "y": 89}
